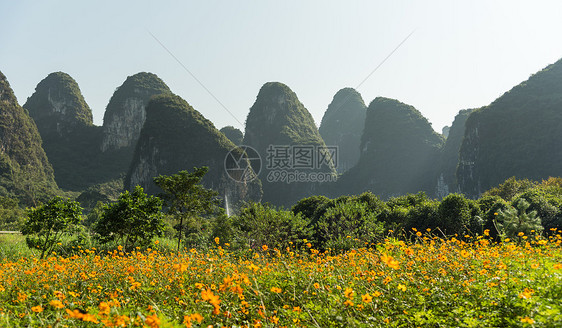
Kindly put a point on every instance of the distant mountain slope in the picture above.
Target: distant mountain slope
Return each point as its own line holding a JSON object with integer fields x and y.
{"x": 342, "y": 126}
{"x": 70, "y": 138}
{"x": 277, "y": 121}
{"x": 125, "y": 113}
{"x": 176, "y": 137}
{"x": 233, "y": 134}
{"x": 57, "y": 105}
{"x": 25, "y": 172}
{"x": 399, "y": 152}
{"x": 519, "y": 134}
{"x": 447, "y": 182}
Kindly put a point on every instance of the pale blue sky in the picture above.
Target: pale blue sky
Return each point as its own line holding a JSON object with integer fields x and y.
{"x": 463, "y": 54}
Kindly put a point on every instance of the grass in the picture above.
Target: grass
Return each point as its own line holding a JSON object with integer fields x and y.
{"x": 13, "y": 247}
{"x": 427, "y": 282}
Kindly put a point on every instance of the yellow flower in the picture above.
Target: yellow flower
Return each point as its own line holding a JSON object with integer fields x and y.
{"x": 367, "y": 298}
{"x": 316, "y": 285}
{"x": 276, "y": 290}
{"x": 104, "y": 308}
{"x": 348, "y": 292}
{"x": 348, "y": 303}
{"x": 527, "y": 293}
{"x": 56, "y": 304}
{"x": 152, "y": 321}
{"x": 557, "y": 266}
{"x": 521, "y": 234}
{"x": 37, "y": 309}
{"x": 528, "y": 320}
{"x": 264, "y": 247}
{"x": 401, "y": 287}
{"x": 217, "y": 240}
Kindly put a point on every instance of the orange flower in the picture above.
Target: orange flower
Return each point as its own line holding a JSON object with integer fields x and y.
{"x": 152, "y": 321}
{"x": 276, "y": 290}
{"x": 264, "y": 247}
{"x": 367, "y": 298}
{"x": 348, "y": 292}
{"x": 37, "y": 309}
{"x": 56, "y": 304}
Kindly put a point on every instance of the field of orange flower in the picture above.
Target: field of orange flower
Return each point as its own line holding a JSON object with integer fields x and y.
{"x": 426, "y": 282}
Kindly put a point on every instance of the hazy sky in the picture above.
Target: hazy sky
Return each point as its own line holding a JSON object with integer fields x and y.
{"x": 462, "y": 54}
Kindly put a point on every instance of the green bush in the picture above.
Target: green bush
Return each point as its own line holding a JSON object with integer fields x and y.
{"x": 347, "y": 225}
{"x": 47, "y": 224}
{"x": 133, "y": 221}
{"x": 261, "y": 224}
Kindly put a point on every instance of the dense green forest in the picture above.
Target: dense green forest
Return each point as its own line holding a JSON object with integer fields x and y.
{"x": 25, "y": 172}
{"x": 516, "y": 135}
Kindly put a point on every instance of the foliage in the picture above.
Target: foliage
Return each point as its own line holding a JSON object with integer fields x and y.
{"x": 450, "y": 151}
{"x": 133, "y": 221}
{"x": 342, "y": 126}
{"x": 11, "y": 216}
{"x": 187, "y": 200}
{"x": 516, "y": 135}
{"x": 262, "y": 224}
{"x": 25, "y": 172}
{"x": 233, "y": 134}
{"x": 426, "y": 283}
{"x": 518, "y": 219}
{"x": 510, "y": 188}
{"x": 454, "y": 214}
{"x": 347, "y": 225}
{"x": 46, "y": 224}
{"x": 399, "y": 152}
{"x": 278, "y": 118}
{"x": 175, "y": 137}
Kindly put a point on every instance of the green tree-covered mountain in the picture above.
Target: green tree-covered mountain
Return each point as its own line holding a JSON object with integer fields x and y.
{"x": 342, "y": 126}
{"x": 517, "y": 135}
{"x": 233, "y": 134}
{"x": 447, "y": 182}
{"x": 57, "y": 106}
{"x": 399, "y": 152}
{"x": 176, "y": 137}
{"x": 283, "y": 132}
{"x": 125, "y": 114}
{"x": 70, "y": 138}
{"x": 25, "y": 171}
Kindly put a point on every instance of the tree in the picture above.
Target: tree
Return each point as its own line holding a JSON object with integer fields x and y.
{"x": 132, "y": 221}
{"x": 187, "y": 199}
{"x": 516, "y": 219}
{"x": 347, "y": 225}
{"x": 262, "y": 224}
{"x": 454, "y": 214}
{"x": 46, "y": 224}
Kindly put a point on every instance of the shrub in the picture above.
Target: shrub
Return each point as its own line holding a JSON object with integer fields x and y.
{"x": 132, "y": 221}
{"x": 261, "y": 224}
{"x": 347, "y": 225}
{"x": 47, "y": 224}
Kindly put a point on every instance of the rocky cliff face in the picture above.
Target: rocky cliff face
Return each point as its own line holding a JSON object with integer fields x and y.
{"x": 25, "y": 171}
{"x": 447, "y": 181}
{"x": 176, "y": 137}
{"x": 399, "y": 152}
{"x": 125, "y": 113}
{"x": 294, "y": 156}
{"x": 58, "y": 107}
{"x": 517, "y": 135}
{"x": 342, "y": 126}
